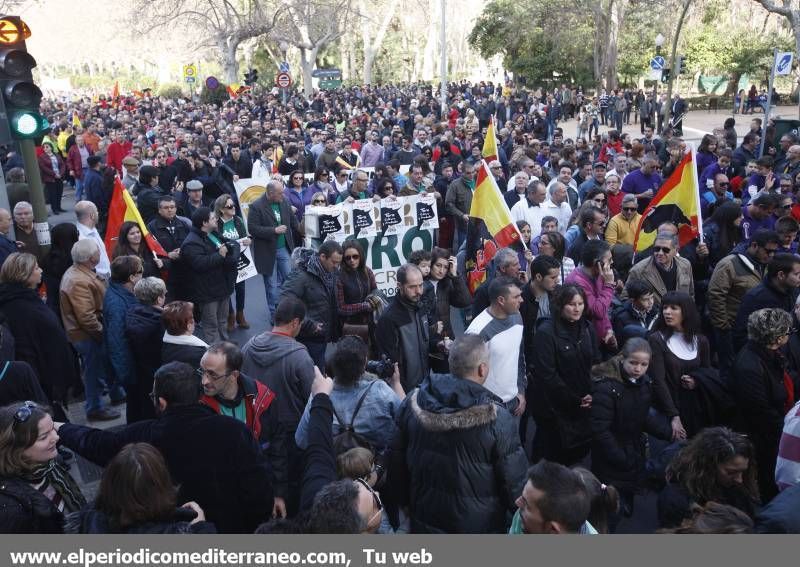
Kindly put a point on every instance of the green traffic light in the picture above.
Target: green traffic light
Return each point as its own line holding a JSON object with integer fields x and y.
{"x": 26, "y": 125}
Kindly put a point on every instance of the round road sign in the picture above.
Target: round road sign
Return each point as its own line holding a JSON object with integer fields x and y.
{"x": 283, "y": 80}
{"x": 212, "y": 83}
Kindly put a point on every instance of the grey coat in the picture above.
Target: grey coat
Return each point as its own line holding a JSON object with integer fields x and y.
{"x": 261, "y": 224}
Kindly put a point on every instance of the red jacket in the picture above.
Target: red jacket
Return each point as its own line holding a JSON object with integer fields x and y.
{"x": 605, "y": 151}
{"x": 258, "y": 398}
{"x": 74, "y": 162}
{"x": 115, "y": 154}
{"x": 46, "y": 168}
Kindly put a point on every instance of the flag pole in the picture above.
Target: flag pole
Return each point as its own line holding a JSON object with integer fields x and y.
{"x": 693, "y": 150}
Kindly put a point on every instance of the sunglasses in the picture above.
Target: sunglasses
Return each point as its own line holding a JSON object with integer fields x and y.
{"x": 629, "y": 209}
{"x": 23, "y": 413}
{"x": 663, "y": 249}
{"x": 375, "y": 497}
{"x": 789, "y": 206}
{"x": 228, "y": 206}
{"x": 352, "y": 257}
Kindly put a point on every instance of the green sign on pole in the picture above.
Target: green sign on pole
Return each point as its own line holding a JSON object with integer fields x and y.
{"x": 330, "y": 84}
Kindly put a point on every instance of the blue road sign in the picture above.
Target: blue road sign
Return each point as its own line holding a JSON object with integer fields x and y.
{"x": 783, "y": 64}
{"x": 284, "y": 67}
{"x": 657, "y": 63}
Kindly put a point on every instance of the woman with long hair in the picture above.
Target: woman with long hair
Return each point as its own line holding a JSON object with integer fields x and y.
{"x": 553, "y": 244}
{"x": 565, "y": 348}
{"x": 681, "y": 355}
{"x": 136, "y": 496}
{"x": 721, "y": 232}
{"x": 706, "y": 153}
{"x": 717, "y": 465}
{"x": 131, "y": 243}
{"x": 353, "y": 288}
{"x": 231, "y": 226}
{"x": 37, "y": 489}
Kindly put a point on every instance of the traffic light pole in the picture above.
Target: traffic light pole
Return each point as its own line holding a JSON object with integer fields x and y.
{"x": 768, "y": 108}
{"x": 36, "y": 193}
{"x": 672, "y": 60}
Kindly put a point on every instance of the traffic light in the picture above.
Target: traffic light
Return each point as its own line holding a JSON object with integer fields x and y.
{"x": 665, "y": 75}
{"x": 251, "y": 77}
{"x": 681, "y": 64}
{"x": 19, "y": 113}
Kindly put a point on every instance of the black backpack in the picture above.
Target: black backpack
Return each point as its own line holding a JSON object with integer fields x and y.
{"x": 348, "y": 438}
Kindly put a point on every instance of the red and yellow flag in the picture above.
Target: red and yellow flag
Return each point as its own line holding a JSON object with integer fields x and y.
{"x": 678, "y": 202}
{"x": 115, "y": 91}
{"x": 122, "y": 209}
{"x": 489, "y": 151}
{"x": 489, "y": 206}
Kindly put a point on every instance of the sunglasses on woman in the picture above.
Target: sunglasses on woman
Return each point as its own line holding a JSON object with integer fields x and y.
{"x": 23, "y": 413}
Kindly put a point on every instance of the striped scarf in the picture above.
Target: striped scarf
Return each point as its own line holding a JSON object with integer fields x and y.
{"x": 57, "y": 475}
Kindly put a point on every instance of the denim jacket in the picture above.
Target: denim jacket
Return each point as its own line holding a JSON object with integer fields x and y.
{"x": 375, "y": 420}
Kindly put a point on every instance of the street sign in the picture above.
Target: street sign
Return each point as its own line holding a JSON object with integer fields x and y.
{"x": 657, "y": 63}
{"x": 190, "y": 73}
{"x": 655, "y": 74}
{"x": 9, "y": 32}
{"x": 783, "y": 63}
{"x": 330, "y": 84}
{"x": 284, "y": 67}
{"x": 283, "y": 80}
{"x": 212, "y": 83}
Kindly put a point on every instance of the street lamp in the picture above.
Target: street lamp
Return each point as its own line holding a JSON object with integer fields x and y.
{"x": 284, "y": 47}
{"x": 659, "y": 42}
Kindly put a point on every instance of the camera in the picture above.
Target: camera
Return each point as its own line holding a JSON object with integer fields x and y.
{"x": 383, "y": 368}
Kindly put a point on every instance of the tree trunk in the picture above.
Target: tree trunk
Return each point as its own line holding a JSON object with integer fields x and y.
{"x": 668, "y": 102}
{"x": 308, "y": 58}
{"x": 344, "y": 47}
{"x": 614, "y": 24}
{"x": 369, "y": 59}
{"x": 230, "y": 68}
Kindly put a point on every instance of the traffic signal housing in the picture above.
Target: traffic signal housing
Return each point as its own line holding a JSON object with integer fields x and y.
{"x": 251, "y": 77}
{"x": 665, "y": 75}
{"x": 681, "y": 64}
{"x": 20, "y": 118}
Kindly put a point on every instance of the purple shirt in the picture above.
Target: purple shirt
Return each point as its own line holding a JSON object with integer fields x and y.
{"x": 637, "y": 182}
{"x": 751, "y": 225}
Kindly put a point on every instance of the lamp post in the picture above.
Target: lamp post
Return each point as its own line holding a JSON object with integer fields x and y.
{"x": 284, "y": 47}
{"x": 659, "y": 42}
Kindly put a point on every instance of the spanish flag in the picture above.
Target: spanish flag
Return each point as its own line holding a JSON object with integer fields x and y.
{"x": 489, "y": 151}
{"x": 677, "y": 201}
{"x": 491, "y": 226}
{"x": 122, "y": 209}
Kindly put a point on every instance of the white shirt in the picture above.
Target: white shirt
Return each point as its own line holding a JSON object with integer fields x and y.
{"x": 562, "y": 212}
{"x": 103, "y": 269}
{"x": 504, "y": 339}
{"x": 533, "y": 215}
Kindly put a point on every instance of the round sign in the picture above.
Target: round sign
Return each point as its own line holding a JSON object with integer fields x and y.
{"x": 212, "y": 83}
{"x": 283, "y": 80}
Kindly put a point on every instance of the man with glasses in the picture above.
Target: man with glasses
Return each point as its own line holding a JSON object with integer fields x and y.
{"x": 228, "y": 391}
{"x": 592, "y": 223}
{"x": 170, "y": 231}
{"x": 719, "y": 191}
{"x": 454, "y": 433}
{"x": 357, "y": 189}
{"x": 643, "y": 182}
{"x": 622, "y": 227}
{"x": 459, "y": 200}
{"x": 214, "y": 460}
{"x": 373, "y": 153}
{"x": 664, "y": 271}
{"x": 733, "y": 277}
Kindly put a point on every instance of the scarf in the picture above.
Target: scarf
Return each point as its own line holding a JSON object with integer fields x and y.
{"x": 57, "y": 475}
{"x": 328, "y": 278}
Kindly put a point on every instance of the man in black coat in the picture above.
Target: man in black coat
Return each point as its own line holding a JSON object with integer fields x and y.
{"x": 170, "y": 232}
{"x": 272, "y": 226}
{"x": 149, "y": 192}
{"x": 778, "y": 290}
{"x": 458, "y": 463}
{"x": 214, "y": 459}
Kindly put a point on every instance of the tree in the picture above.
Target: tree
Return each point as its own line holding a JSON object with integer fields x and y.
{"x": 789, "y": 9}
{"x": 372, "y": 43}
{"x": 310, "y": 26}
{"x": 218, "y": 24}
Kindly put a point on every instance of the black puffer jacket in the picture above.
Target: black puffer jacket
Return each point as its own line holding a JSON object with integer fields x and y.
{"x": 620, "y": 417}
{"x": 25, "y": 510}
{"x": 212, "y": 275}
{"x": 562, "y": 363}
{"x": 457, "y": 461}
{"x": 320, "y": 302}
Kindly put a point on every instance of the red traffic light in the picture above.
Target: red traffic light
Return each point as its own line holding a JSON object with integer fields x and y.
{"x": 22, "y": 94}
{"x": 17, "y": 63}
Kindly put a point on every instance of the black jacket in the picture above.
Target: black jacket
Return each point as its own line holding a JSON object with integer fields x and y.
{"x": 25, "y": 510}
{"x": 320, "y": 459}
{"x": 402, "y": 334}
{"x": 628, "y": 316}
{"x": 457, "y": 461}
{"x": 147, "y": 201}
{"x": 92, "y": 521}
{"x": 261, "y": 223}
{"x": 189, "y": 354}
{"x": 39, "y": 337}
{"x": 213, "y": 276}
{"x": 171, "y": 234}
{"x": 762, "y": 296}
{"x": 143, "y": 329}
{"x": 18, "y": 382}
{"x": 214, "y": 459}
{"x": 620, "y": 417}
{"x": 319, "y": 301}
{"x": 562, "y": 360}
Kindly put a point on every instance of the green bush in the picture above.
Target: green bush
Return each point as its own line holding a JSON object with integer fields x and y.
{"x": 218, "y": 96}
{"x": 170, "y": 90}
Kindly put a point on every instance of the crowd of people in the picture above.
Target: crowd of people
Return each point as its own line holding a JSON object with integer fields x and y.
{"x": 576, "y": 380}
